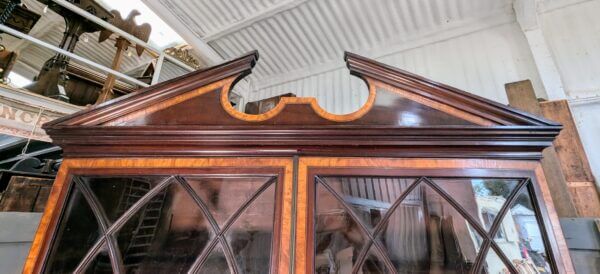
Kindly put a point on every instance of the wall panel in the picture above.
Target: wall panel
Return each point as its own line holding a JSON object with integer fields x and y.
{"x": 572, "y": 32}
{"x": 587, "y": 119}
{"x": 573, "y": 35}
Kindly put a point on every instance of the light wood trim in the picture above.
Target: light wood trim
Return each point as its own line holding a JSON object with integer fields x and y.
{"x": 226, "y": 84}
{"x": 581, "y": 184}
{"x": 305, "y": 163}
{"x": 41, "y": 240}
{"x": 563, "y": 249}
{"x": 48, "y": 222}
{"x": 450, "y": 110}
{"x": 298, "y": 101}
{"x": 301, "y": 218}
{"x": 171, "y": 101}
{"x": 574, "y": 161}
{"x": 286, "y": 218}
{"x": 522, "y": 96}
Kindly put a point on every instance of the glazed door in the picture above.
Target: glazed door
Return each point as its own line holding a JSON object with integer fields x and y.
{"x": 423, "y": 216}
{"x": 166, "y": 216}
{"x": 307, "y": 215}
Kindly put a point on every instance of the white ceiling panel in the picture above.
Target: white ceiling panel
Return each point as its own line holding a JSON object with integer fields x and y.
{"x": 295, "y": 34}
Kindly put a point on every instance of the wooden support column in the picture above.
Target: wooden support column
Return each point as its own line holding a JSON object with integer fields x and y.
{"x": 527, "y": 16}
{"x": 522, "y": 96}
{"x": 107, "y": 90}
{"x": 128, "y": 25}
{"x": 574, "y": 162}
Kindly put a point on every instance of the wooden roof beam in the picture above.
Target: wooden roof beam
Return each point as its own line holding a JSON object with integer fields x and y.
{"x": 264, "y": 14}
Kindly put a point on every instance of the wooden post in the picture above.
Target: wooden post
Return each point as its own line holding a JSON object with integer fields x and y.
{"x": 573, "y": 159}
{"x": 107, "y": 93}
{"x": 522, "y": 96}
{"x": 128, "y": 25}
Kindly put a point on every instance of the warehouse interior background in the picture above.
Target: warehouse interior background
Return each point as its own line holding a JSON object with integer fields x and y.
{"x": 478, "y": 46}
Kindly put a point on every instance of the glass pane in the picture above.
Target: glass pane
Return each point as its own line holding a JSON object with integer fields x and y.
{"x": 250, "y": 236}
{"x": 117, "y": 194}
{"x": 216, "y": 262}
{"x": 523, "y": 243}
{"x": 373, "y": 263}
{"x": 338, "y": 238}
{"x": 428, "y": 233}
{"x": 481, "y": 198}
{"x": 370, "y": 197}
{"x": 100, "y": 264}
{"x": 77, "y": 233}
{"x": 494, "y": 265}
{"x": 223, "y": 196}
{"x": 170, "y": 231}
{"x": 166, "y": 235}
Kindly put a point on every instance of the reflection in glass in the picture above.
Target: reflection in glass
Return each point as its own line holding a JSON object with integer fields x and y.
{"x": 171, "y": 229}
{"x": 373, "y": 263}
{"x": 430, "y": 236}
{"x": 100, "y": 264}
{"x": 225, "y": 195}
{"x": 523, "y": 243}
{"x": 425, "y": 233}
{"x": 493, "y": 264}
{"x": 338, "y": 238}
{"x": 117, "y": 194}
{"x": 166, "y": 235}
{"x": 250, "y": 236}
{"x": 413, "y": 114}
{"x": 481, "y": 198}
{"x": 76, "y": 234}
{"x": 216, "y": 262}
{"x": 370, "y": 197}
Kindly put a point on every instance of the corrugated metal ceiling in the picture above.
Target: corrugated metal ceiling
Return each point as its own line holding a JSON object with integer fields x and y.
{"x": 292, "y": 35}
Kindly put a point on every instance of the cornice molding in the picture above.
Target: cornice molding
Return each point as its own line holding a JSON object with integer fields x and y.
{"x": 153, "y": 94}
{"x": 148, "y": 123}
{"x": 368, "y": 68}
{"x": 458, "y": 142}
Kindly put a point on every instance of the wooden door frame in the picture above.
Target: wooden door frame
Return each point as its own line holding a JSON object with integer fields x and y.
{"x": 309, "y": 166}
{"x": 283, "y": 167}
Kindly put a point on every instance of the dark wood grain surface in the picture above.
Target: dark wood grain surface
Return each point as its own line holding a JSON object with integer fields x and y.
{"x": 182, "y": 123}
{"x": 405, "y": 116}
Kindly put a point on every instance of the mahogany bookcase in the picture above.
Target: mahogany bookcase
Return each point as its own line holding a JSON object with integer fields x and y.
{"x": 423, "y": 178}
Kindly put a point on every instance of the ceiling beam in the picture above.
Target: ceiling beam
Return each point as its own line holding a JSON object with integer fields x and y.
{"x": 451, "y": 30}
{"x": 266, "y": 13}
{"x": 526, "y": 12}
{"x": 166, "y": 11}
{"x": 545, "y": 6}
{"x": 42, "y": 33}
{"x": 8, "y": 142}
{"x": 52, "y": 149}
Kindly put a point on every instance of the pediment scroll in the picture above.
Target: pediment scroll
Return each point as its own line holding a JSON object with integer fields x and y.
{"x": 395, "y": 98}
